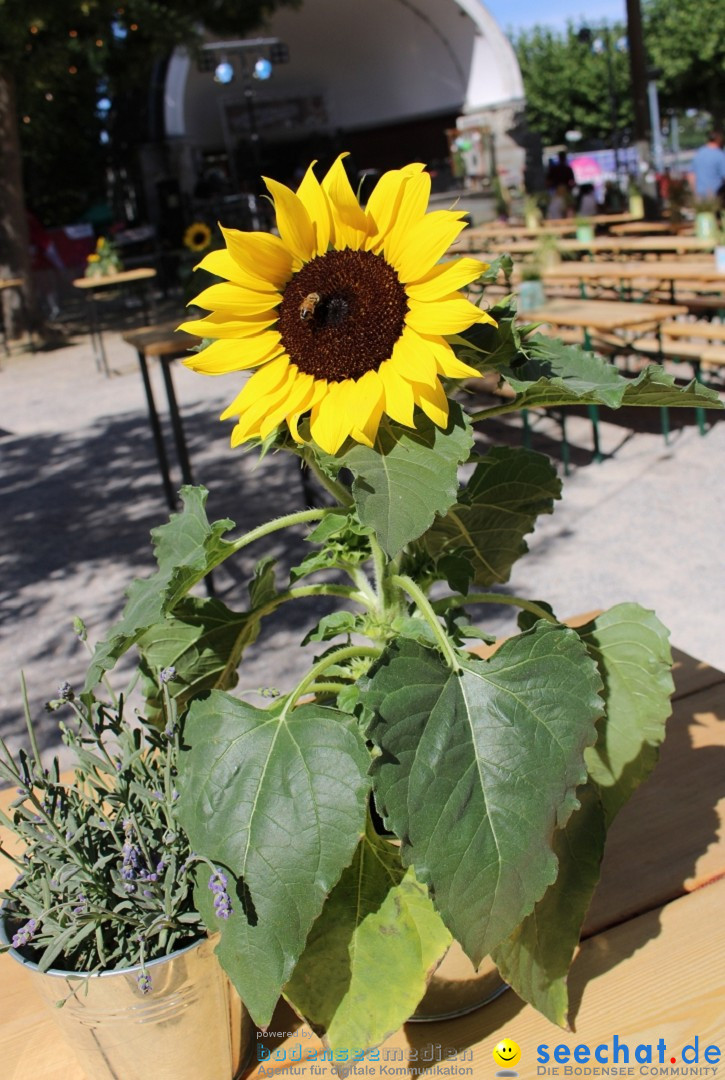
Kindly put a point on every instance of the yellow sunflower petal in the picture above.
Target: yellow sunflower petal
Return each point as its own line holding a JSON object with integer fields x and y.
{"x": 260, "y": 254}
{"x": 297, "y": 393}
{"x": 223, "y": 265}
{"x": 446, "y": 360}
{"x": 265, "y": 381}
{"x": 413, "y": 205}
{"x": 223, "y": 326}
{"x": 426, "y": 243}
{"x": 382, "y": 206}
{"x": 250, "y": 421}
{"x": 221, "y": 357}
{"x": 331, "y": 421}
{"x": 350, "y": 221}
{"x": 293, "y": 221}
{"x": 446, "y": 278}
{"x": 316, "y": 393}
{"x": 227, "y": 298}
{"x": 399, "y": 399}
{"x": 314, "y": 199}
{"x": 413, "y": 360}
{"x": 446, "y": 316}
{"x": 366, "y": 400}
{"x": 433, "y": 402}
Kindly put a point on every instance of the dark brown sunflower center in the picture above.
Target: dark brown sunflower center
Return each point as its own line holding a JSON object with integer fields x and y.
{"x": 342, "y": 314}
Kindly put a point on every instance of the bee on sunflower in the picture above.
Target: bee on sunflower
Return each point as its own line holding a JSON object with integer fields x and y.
{"x": 197, "y": 237}
{"x": 344, "y": 314}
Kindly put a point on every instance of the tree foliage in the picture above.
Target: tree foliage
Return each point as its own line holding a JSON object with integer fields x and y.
{"x": 567, "y": 81}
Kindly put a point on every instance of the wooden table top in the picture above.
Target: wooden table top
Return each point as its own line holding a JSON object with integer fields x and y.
{"x": 650, "y": 968}
{"x": 643, "y": 244}
{"x": 161, "y": 339}
{"x": 123, "y": 277}
{"x": 643, "y": 228}
{"x": 12, "y": 283}
{"x": 658, "y": 270}
{"x": 602, "y": 314}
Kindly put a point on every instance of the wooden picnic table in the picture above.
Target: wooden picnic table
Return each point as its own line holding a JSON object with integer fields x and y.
{"x": 650, "y": 966}
{"x": 602, "y": 315}
{"x": 646, "y": 228}
{"x": 644, "y": 245}
{"x": 98, "y": 283}
{"x": 672, "y": 272}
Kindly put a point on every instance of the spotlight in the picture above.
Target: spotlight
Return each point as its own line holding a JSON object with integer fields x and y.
{"x": 262, "y": 68}
{"x": 223, "y": 72}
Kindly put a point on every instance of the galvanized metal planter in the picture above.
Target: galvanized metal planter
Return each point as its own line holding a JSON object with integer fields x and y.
{"x": 457, "y": 988}
{"x": 191, "y": 1025}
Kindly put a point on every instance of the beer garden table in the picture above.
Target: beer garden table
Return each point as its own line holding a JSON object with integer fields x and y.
{"x": 96, "y": 284}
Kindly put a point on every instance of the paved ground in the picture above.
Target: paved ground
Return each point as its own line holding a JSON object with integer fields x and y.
{"x": 79, "y": 492}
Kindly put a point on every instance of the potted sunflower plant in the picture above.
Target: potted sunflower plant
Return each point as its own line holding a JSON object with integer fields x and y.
{"x": 406, "y": 797}
{"x": 101, "y": 914}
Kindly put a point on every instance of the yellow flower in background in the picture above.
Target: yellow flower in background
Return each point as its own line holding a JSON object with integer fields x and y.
{"x": 101, "y": 243}
{"x": 343, "y": 314}
{"x": 197, "y": 237}
{"x": 93, "y": 258}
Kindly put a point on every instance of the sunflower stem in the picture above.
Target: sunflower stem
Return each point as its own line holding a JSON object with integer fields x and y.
{"x": 337, "y": 490}
{"x": 495, "y": 410}
{"x": 338, "y": 656}
{"x": 494, "y": 598}
{"x": 427, "y": 611}
{"x": 379, "y": 569}
{"x": 298, "y": 518}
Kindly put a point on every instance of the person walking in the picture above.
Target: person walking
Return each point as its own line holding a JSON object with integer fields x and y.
{"x": 707, "y": 179}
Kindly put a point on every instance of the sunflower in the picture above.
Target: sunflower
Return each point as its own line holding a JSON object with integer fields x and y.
{"x": 197, "y": 237}
{"x": 343, "y": 314}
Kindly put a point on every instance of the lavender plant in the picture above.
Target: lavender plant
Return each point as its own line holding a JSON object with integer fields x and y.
{"x": 106, "y": 877}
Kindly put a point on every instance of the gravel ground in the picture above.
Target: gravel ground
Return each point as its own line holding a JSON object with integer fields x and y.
{"x": 80, "y": 491}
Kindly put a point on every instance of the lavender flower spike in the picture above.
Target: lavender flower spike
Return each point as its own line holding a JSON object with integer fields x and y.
{"x": 25, "y": 934}
{"x": 144, "y": 982}
{"x": 222, "y": 903}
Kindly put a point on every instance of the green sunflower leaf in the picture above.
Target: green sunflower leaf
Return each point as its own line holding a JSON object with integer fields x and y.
{"x": 508, "y": 490}
{"x": 203, "y": 641}
{"x": 290, "y": 791}
{"x": 535, "y": 960}
{"x": 631, "y": 647}
{"x": 377, "y": 918}
{"x": 559, "y": 374}
{"x": 186, "y": 549}
{"x": 410, "y": 476}
{"x": 478, "y": 768}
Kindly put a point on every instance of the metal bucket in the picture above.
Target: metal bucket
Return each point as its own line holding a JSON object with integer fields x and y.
{"x": 457, "y": 988}
{"x": 191, "y": 1025}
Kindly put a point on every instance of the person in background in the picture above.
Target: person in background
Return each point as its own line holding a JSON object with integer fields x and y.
{"x": 560, "y": 204}
{"x": 708, "y": 169}
{"x": 47, "y": 265}
{"x": 560, "y": 174}
{"x": 587, "y": 201}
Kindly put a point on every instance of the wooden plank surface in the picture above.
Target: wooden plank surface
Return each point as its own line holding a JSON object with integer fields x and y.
{"x": 644, "y": 244}
{"x": 656, "y": 977}
{"x": 701, "y": 270}
{"x": 601, "y": 314}
{"x": 123, "y": 277}
{"x": 161, "y": 339}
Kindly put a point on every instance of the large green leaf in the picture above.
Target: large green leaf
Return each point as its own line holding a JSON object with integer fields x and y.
{"x": 186, "y": 549}
{"x": 559, "y": 374}
{"x": 478, "y": 768}
{"x": 631, "y": 647}
{"x": 505, "y": 495}
{"x": 535, "y": 960}
{"x": 278, "y": 799}
{"x": 203, "y": 642}
{"x": 378, "y": 919}
{"x": 410, "y": 476}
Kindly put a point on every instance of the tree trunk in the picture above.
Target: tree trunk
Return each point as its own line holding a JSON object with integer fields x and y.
{"x": 14, "y": 239}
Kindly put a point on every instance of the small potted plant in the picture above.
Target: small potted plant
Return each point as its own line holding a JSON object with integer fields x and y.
{"x": 405, "y": 793}
{"x": 706, "y": 222}
{"x": 104, "y": 260}
{"x": 531, "y": 290}
{"x": 102, "y": 913}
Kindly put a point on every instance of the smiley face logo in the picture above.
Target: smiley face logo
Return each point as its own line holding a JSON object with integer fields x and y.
{"x": 507, "y": 1053}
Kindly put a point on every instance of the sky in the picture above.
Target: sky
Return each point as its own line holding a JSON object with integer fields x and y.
{"x": 520, "y": 14}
